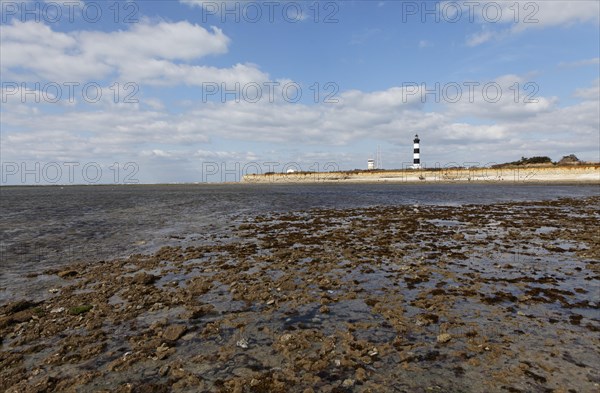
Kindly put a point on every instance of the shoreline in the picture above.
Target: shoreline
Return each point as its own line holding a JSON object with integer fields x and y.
{"x": 573, "y": 174}
{"x": 581, "y": 174}
{"x": 351, "y": 299}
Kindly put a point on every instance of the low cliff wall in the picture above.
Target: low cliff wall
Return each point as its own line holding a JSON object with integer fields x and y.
{"x": 562, "y": 174}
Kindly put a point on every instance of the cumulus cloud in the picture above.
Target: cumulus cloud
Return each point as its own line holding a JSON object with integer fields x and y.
{"x": 589, "y": 93}
{"x": 524, "y": 15}
{"x": 141, "y": 132}
{"x": 157, "y": 54}
{"x": 168, "y": 54}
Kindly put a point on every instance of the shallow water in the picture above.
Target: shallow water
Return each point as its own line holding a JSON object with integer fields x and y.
{"x": 48, "y": 227}
{"x": 347, "y": 299}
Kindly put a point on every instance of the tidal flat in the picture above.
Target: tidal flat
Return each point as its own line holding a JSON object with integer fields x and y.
{"x": 501, "y": 297}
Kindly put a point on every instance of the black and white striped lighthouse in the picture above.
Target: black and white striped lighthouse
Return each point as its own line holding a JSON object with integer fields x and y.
{"x": 416, "y": 154}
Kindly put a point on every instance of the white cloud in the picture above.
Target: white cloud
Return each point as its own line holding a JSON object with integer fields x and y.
{"x": 147, "y": 53}
{"x": 480, "y": 38}
{"x": 580, "y": 63}
{"x": 138, "y": 132}
{"x": 589, "y": 93}
{"x": 543, "y": 14}
{"x": 208, "y": 3}
{"x": 524, "y": 15}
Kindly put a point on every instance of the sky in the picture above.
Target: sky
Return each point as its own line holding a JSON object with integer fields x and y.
{"x": 115, "y": 92}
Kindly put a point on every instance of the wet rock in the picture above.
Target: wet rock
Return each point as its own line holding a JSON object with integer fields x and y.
{"x": 144, "y": 278}
{"x": 164, "y": 351}
{"x": 244, "y": 372}
{"x": 303, "y": 262}
{"x": 360, "y": 374}
{"x": 426, "y": 319}
{"x": 196, "y": 312}
{"x": 285, "y": 338}
{"x": 174, "y": 332}
{"x": 444, "y": 338}
{"x": 66, "y": 274}
{"x": 348, "y": 383}
{"x": 150, "y": 388}
{"x": 199, "y": 285}
{"x": 21, "y": 316}
{"x": 164, "y": 370}
{"x": 20, "y": 305}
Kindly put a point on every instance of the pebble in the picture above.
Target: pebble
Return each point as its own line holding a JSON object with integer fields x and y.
{"x": 164, "y": 370}
{"x": 444, "y": 338}
{"x": 57, "y": 310}
{"x": 361, "y": 374}
{"x": 348, "y": 383}
{"x": 242, "y": 343}
{"x": 285, "y": 338}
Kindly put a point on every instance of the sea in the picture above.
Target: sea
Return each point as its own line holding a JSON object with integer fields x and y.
{"x": 48, "y": 227}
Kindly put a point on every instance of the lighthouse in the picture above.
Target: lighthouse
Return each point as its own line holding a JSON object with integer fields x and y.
{"x": 416, "y": 154}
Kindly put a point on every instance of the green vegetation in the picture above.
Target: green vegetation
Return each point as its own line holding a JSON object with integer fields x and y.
{"x": 527, "y": 161}
{"x": 38, "y": 311}
{"x": 80, "y": 309}
{"x": 533, "y": 160}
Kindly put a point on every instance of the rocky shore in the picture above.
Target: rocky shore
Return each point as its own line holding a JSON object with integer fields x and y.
{"x": 518, "y": 174}
{"x": 475, "y": 298}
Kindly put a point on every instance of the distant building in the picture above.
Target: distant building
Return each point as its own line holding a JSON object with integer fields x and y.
{"x": 291, "y": 171}
{"x": 416, "y": 153}
{"x": 370, "y": 164}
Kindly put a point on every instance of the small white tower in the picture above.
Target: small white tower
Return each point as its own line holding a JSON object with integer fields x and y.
{"x": 371, "y": 164}
{"x": 416, "y": 154}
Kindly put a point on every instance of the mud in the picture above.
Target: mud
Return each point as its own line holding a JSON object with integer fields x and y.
{"x": 478, "y": 298}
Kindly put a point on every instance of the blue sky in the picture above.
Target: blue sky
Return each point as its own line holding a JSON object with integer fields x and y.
{"x": 371, "y": 59}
